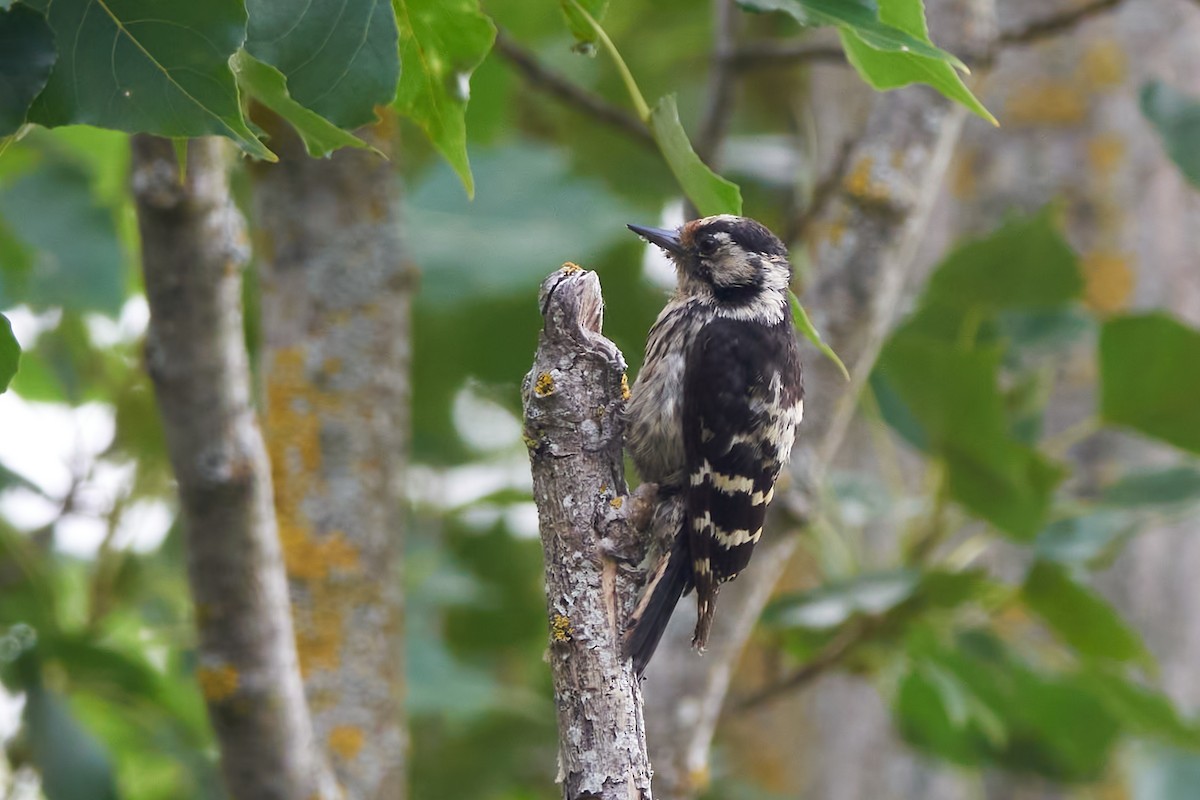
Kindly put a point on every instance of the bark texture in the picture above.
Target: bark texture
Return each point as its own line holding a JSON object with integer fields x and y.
{"x": 336, "y": 320}
{"x": 573, "y": 397}
{"x": 193, "y": 249}
{"x": 864, "y": 246}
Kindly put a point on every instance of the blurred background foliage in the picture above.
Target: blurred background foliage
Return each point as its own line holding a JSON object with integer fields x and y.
{"x": 1019, "y": 664}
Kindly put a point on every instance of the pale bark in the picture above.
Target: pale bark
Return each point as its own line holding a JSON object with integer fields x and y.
{"x": 864, "y": 249}
{"x": 193, "y": 250}
{"x": 573, "y": 397}
{"x": 336, "y": 296}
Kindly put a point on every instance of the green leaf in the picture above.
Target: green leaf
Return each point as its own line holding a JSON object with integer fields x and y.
{"x": 1090, "y": 540}
{"x": 834, "y": 604}
{"x": 940, "y": 711}
{"x": 896, "y": 413}
{"x": 1144, "y": 711}
{"x": 1172, "y": 486}
{"x": 710, "y": 193}
{"x": 268, "y": 86}
{"x": 891, "y": 70}
{"x": 1079, "y": 616}
{"x": 1023, "y": 264}
{"x": 82, "y": 271}
{"x": 441, "y": 44}
{"x": 889, "y": 29}
{"x": 803, "y": 324}
{"x": 72, "y": 763}
{"x": 973, "y": 702}
{"x": 953, "y": 394}
{"x": 339, "y": 60}
{"x": 10, "y": 354}
{"x": 1176, "y": 116}
{"x": 1146, "y": 377}
{"x": 1044, "y": 330}
{"x": 580, "y": 26}
{"x": 27, "y": 55}
{"x": 142, "y": 65}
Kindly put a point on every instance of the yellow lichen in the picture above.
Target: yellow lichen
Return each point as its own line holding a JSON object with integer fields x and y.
{"x": 858, "y": 183}
{"x": 560, "y": 629}
{"x": 962, "y": 176}
{"x": 625, "y": 393}
{"x": 1105, "y": 153}
{"x": 296, "y": 406}
{"x": 345, "y": 741}
{"x": 531, "y": 442}
{"x": 309, "y": 558}
{"x": 617, "y": 502}
{"x": 320, "y": 615}
{"x": 831, "y": 231}
{"x": 1103, "y": 65}
{"x": 570, "y": 267}
{"x": 544, "y": 385}
{"x": 1109, "y": 281}
{"x": 1050, "y": 102}
{"x": 698, "y": 779}
{"x": 217, "y": 683}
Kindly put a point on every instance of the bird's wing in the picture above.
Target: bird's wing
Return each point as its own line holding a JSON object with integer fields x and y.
{"x": 738, "y": 391}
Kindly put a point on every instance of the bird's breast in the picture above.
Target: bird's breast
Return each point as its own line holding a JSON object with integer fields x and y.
{"x": 655, "y": 433}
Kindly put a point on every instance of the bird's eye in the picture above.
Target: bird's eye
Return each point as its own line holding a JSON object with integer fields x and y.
{"x": 707, "y": 245}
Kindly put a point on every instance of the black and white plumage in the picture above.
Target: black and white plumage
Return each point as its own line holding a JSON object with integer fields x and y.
{"x": 713, "y": 413}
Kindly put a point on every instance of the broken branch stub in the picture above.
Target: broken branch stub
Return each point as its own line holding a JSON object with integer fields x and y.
{"x": 573, "y": 399}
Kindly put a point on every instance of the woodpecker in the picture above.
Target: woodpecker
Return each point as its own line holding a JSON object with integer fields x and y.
{"x": 713, "y": 412}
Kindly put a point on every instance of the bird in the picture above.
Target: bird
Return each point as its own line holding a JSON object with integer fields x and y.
{"x": 713, "y": 413}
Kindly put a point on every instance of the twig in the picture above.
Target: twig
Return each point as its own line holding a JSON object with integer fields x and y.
{"x": 822, "y": 192}
{"x": 1055, "y": 24}
{"x": 721, "y": 82}
{"x": 1041, "y": 29}
{"x": 768, "y": 54}
{"x": 829, "y": 657}
{"x": 538, "y": 76}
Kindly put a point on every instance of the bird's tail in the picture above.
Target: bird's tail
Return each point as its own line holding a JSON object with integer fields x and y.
{"x": 672, "y": 578}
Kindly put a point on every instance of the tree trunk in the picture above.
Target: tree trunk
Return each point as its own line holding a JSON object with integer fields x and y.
{"x": 193, "y": 249}
{"x": 1070, "y": 130}
{"x": 336, "y": 320}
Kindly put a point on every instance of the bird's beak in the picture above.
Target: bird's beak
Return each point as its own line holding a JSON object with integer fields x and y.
{"x": 663, "y": 237}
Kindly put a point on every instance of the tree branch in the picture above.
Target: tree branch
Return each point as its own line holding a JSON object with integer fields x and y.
{"x": 722, "y": 81}
{"x": 336, "y": 296}
{"x": 822, "y": 193}
{"x": 573, "y": 397}
{"x": 1055, "y": 24}
{"x": 193, "y": 247}
{"x": 832, "y": 655}
{"x": 772, "y": 54}
{"x": 546, "y": 80}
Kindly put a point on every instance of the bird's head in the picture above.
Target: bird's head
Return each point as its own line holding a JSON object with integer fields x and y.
{"x": 731, "y": 261}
